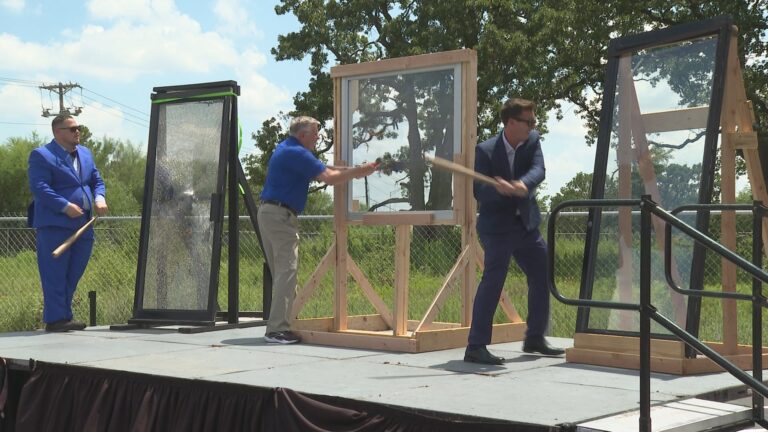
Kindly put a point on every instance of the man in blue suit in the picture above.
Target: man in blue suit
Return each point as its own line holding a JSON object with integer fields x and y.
{"x": 508, "y": 226}
{"x": 67, "y": 188}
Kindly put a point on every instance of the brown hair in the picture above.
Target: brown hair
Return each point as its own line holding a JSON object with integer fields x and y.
{"x": 514, "y": 107}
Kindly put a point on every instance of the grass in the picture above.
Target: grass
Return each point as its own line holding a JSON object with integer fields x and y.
{"x": 112, "y": 274}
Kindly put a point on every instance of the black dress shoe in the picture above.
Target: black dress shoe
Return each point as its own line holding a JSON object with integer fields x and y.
{"x": 481, "y": 355}
{"x": 540, "y": 345}
{"x": 64, "y": 326}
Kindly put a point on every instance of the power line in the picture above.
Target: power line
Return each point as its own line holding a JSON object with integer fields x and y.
{"x": 119, "y": 103}
{"x": 145, "y": 124}
{"x": 134, "y": 116}
{"x": 23, "y": 123}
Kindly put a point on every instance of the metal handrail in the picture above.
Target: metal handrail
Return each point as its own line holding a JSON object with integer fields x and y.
{"x": 704, "y": 240}
{"x": 597, "y": 203}
{"x": 648, "y": 312}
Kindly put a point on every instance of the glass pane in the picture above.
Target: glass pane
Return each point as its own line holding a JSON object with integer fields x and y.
{"x": 656, "y": 148}
{"x": 178, "y": 266}
{"x": 395, "y": 119}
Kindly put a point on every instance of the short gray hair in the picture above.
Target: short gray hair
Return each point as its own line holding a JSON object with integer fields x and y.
{"x": 301, "y": 123}
{"x": 59, "y": 119}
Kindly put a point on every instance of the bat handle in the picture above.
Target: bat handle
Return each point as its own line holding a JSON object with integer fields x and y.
{"x": 73, "y": 238}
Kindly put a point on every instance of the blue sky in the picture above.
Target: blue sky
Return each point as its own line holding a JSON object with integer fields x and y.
{"x": 118, "y": 50}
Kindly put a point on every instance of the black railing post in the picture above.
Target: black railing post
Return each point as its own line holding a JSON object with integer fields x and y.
{"x": 645, "y": 313}
{"x": 758, "y": 300}
{"x": 92, "y": 308}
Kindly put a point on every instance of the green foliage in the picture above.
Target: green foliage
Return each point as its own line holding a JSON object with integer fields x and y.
{"x": 121, "y": 165}
{"x": 14, "y": 155}
{"x": 544, "y": 50}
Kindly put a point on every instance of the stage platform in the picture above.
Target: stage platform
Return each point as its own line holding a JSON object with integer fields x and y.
{"x": 529, "y": 389}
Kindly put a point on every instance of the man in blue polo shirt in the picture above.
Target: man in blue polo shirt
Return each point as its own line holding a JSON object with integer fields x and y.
{"x": 290, "y": 170}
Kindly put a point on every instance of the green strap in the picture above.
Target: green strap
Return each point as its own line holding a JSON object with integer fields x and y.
{"x": 200, "y": 96}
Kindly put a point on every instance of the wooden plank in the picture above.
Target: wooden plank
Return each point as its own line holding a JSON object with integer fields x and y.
{"x": 676, "y": 120}
{"x": 314, "y": 280}
{"x": 433, "y": 340}
{"x": 404, "y": 63}
{"x": 399, "y": 218}
{"x": 442, "y": 293}
{"x": 339, "y": 220}
{"x": 677, "y": 366}
{"x": 509, "y": 309}
{"x": 360, "y": 340}
{"x": 745, "y": 118}
{"x": 742, "y": 140}
{"x": 402, "y": 269}
{"x": 625, "y": 272}
{"x": 468, "y": 231}
{"x": 370, "y": 293}
{"x": 728, "y": 239}
{"x": 648, "y": 175}
{"x": 627, "y": 344}
{"x": 372, "y": 323}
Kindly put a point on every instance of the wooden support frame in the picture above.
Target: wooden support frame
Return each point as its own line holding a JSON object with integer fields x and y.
{"x": 736, "y": 120}
{"x": 394, "y": 330}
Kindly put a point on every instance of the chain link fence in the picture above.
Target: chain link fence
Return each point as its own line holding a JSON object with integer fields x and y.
{"x": 434, "y": 250}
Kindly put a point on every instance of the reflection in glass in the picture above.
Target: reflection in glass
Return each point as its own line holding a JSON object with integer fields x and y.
{"x": 656, "y": 148}
{"x": 395, "y": 119}
{"x": 178, "y": 263}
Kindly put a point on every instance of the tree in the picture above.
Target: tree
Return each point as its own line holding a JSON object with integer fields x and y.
{"x": 14, "y": 154}
{"x": 544, "y": 50}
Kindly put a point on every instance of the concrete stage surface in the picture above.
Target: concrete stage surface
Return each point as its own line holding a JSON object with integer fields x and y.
{"x": 527, "y": 388}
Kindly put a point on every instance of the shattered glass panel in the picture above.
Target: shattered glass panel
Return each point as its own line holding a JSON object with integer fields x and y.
{"x": 178, "y": 266}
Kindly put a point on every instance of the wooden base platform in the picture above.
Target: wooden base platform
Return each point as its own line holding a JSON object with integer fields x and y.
{"x": 371, "y": 332}
{"x": 667, "y": 356}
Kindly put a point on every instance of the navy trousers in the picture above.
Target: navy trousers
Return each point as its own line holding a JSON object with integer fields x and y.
{"x": 59, "y": 276}
{"x": 530, "y": 253}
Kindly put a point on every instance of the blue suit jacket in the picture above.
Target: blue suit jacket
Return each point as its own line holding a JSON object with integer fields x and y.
{"x": 497, "y": 212}
{"x": 54, "y": 183}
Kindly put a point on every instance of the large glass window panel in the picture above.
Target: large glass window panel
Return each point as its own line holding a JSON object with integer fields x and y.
{"x": 657, "y": 147}
{"x": 178, "y": 263}
{"x": 395, "y": 119}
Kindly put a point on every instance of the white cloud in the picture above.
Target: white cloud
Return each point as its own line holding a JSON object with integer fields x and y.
{"x": 234, "y": 19}
{"x": 24, "y": 109}
{"x": 142, "y": 40}
{"x": 132, "y": 10}
{"x": 13, "y": 5}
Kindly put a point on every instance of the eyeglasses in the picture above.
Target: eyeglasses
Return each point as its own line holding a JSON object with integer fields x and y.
{"x": 73, "y": 129}
{"x": 530, "y": 122}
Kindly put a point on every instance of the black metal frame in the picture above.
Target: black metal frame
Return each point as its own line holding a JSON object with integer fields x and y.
{"x": 721, "y": 26}
{"x": 648, "y": 312}
{"x": 230, "y": 179}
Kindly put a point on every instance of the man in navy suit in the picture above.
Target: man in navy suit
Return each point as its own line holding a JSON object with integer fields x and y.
{"x": 508, "y": 226}
{"x": 67, "y": 188}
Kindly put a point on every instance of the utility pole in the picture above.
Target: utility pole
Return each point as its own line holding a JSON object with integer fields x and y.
{"x": 61, "y": 90}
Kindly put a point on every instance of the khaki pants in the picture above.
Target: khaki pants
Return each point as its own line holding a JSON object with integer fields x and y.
{"x": 279, "y": 230}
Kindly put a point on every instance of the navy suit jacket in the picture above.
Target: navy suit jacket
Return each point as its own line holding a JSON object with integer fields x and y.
{"x": 497, "y": 212}
{"x": 55, "y": 183}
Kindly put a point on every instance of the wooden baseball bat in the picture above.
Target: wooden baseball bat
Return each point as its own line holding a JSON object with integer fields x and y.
{"x": 460, "y": 169}
{"x": 73, "y": 238}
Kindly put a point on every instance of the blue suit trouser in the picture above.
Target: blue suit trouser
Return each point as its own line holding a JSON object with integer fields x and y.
{"x": 530, "y": 254}
{"x": 59, "y": 276}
